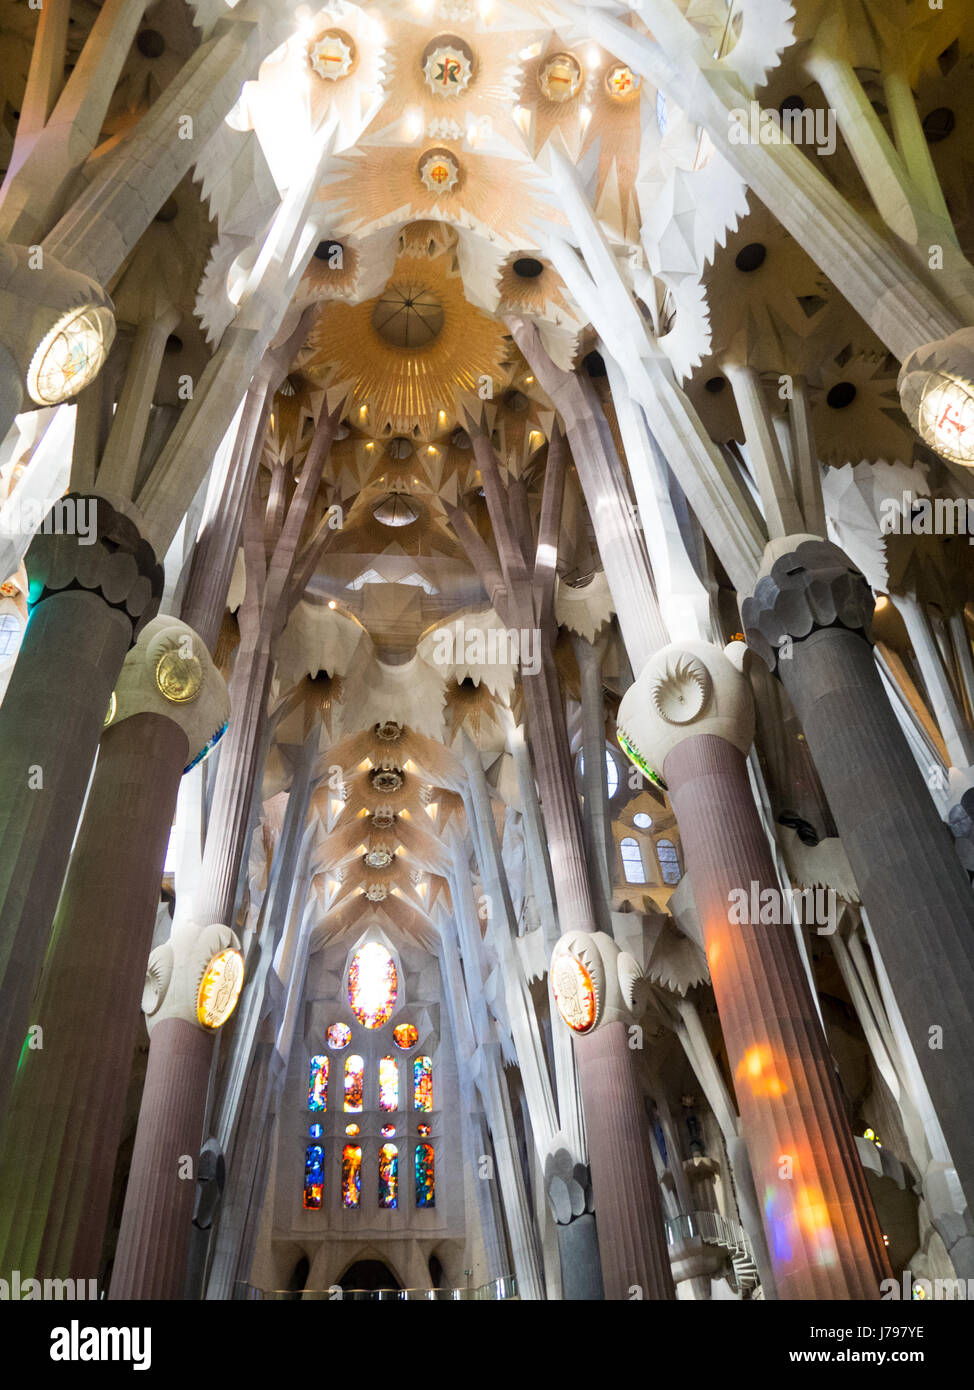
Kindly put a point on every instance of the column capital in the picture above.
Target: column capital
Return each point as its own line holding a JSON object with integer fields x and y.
{"x": 685, "y": 690}
{"x": 593, "y": 982}
{"x": 195, "y": 976}
{"x": 170, "y": 672}
{"x": 87, "y": 543}
{"x": 805, "y": 583}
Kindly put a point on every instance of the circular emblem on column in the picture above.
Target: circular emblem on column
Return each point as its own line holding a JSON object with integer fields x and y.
{"x": 936, "y": 385}
{"x": 560, "y": 77}
{"x": 179, "y": 678}
{"x": 70, "y": 355}
{"x": 681, "y": 692}
{"x": 448, "y": 66}
{"x": 220, "y": 988}
{"x": 574, "y": 991}
{"x": 332, "y": 54}
{"x": 439, "y": 171}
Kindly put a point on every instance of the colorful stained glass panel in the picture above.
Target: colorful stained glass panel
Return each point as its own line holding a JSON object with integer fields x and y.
{"x": 388, "y": 1176}
{"x": 425, "y": 1176}
{"x": 318, "y": 1084}
{"x": 388, "y": 1084}
{"x": 339, "y": 1036}
{"x": 351, "y": 1175}
{"x": 373, "y": 985}
{"x": 422, "y": 1084}
{"x": 315, "y": 1131}
{"x": 354, "y": 1082}
{"x": 314, "y": 1176}
{"x": 424, "y": 1131}
{"x": 388, "y": 1131}
{"x": 405, "y": 1035}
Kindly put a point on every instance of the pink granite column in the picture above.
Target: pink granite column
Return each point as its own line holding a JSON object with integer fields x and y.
{"x": 823, "y": 1236}
{"x": 628, "y": 1208}
{"x": 67, "y": 1108}
{"x": 150, "y": 1259}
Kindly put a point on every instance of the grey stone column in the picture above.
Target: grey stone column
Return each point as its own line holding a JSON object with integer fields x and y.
{"x": 88, "y": 603}
{"x": 810, "y": 620}
{"x": 57, "y": 1158}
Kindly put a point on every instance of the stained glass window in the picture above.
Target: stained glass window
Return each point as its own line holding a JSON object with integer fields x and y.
{"x": 354, "y": 1081}
{"x": 388, "y": 1176}
{"x": 315, "y": 1131}
{"x": 318, "y": 1084}
{"x": 351, "y": 1130}
{"x": 339, "y": 1036}
{"x": 424, "y": 1131}
{"x": 425, "y": 1176}
{"x": 388, "y": 1084}
{"x": 632, "y": 861}
{"x": 314, "y": 1176}
{"x": 405, "y": 1035}
{"x": 372, "y": 985}
{"x": 388, "y": 1131}
{"x": 669, "y": 861}
{"x": 351, "y": 1175}
{"x": 422, "y": 1084}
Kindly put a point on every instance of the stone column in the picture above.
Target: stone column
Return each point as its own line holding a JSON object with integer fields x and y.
{"x": 592, "y": 984}
{"x": 153, "y": 1242}
{"x": 810, "y": 620}
{"x": 67, "y": 1107}
{"x": 690, "y": 714}
{"x": 90, "y": 592}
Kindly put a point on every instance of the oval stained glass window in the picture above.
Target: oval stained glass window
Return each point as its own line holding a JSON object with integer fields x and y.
{"x": 405, "y": 1035}
{"x": 388, "y": 1131}
{"x": 339, "y": 1035}
{"x": 424, "y": 1131}
{"x": 373, "y": 984}
{"x": 351, "y": 1130}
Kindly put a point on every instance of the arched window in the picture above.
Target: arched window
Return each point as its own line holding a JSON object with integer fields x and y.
{"x": 314, "y": 1176}
{"x": 641, "y": 821}
{"x": 632, "y": 861}
{"x": 425, "y": 1176}
{"x": 388, "y": 1084}
{"x": 318, "y": 1084}
{"x": 611, "y": 772}
{"x": 354, "y": 1082}
{"x": 422, "y": 1084}
{"x": 351, "y": 1175}
{"x": 388, "y": 1176}
{"x": 669, "y": 862}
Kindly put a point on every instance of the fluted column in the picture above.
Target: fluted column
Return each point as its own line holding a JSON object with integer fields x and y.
{"x": 690, "y": 714}
{"x": 88, "y": 602}
{"x": 57, "y": 1156}
{"x": 810, "y": 620}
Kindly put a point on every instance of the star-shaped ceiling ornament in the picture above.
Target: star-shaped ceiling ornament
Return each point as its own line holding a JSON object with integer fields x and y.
{"x": 439, "y": 171}
{"x": 332, "y": 55}
{"x": 448, "y": 69}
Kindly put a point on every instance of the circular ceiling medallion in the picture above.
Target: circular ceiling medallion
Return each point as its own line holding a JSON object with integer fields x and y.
{"x": 379, "y": 858}
{"x": 408, "y": 316}
{"x": 621, "y": 82}
{"x": 389, "y": 731}
{"x": 448, "y": 66}
{"x": 574, "y": 992}
{"x": 439, "y": 171}
{"x": 387, "y": 779}
{"x": 332, "y": 54}
{"x": 70, "y": 355}
{"x": 220, "y": 988}
{"x": 560, "y": 77}
{"x": 179, "y": 678}
{"x": 383, "y": 820}
{"x": 377, "y": 892}
{"x": 396, "y": 510}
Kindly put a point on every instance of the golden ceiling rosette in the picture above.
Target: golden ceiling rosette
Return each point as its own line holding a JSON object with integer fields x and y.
{"x": 402, "y": 380}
